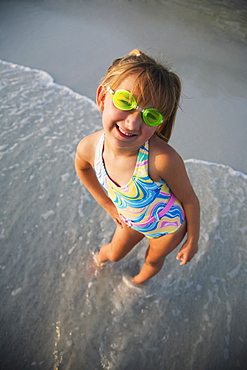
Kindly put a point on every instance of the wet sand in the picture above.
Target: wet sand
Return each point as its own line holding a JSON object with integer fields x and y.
{"x": 75, "y": 41}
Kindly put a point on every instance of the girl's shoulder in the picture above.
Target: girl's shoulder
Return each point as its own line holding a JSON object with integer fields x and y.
{"x": 162, "y": 157}
{"x": 87, "y": 146}
{"x": 159, "y": 147}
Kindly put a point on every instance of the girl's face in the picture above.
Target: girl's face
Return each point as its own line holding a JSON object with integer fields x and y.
{"x": 124, "y": 129}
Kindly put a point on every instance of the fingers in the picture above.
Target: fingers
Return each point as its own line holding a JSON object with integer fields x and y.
{"x": 187, "y": 252}
{"x": 118, "y": 222}
{"x": 184, "y": 259}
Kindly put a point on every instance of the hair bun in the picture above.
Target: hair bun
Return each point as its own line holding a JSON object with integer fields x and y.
{"x": 135, "y": 52}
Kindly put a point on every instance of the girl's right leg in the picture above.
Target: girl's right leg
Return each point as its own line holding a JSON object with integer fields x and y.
{"x": 123, "y": 241}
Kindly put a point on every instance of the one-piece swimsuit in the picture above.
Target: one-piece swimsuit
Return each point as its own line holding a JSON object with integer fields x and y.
{"x": 145, "y": 205}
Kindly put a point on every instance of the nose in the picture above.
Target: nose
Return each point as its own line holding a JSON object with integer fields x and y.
{"x": 134, "y": 120}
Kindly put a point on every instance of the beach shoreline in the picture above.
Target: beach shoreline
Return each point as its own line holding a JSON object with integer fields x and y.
{"x": 56, "y": 310}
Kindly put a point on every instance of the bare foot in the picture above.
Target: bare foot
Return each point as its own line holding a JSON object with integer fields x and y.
{"x": 131, "y": 284}
{"x": 97, "y": 263}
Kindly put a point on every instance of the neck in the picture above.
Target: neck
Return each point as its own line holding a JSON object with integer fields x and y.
{"x": 120, "y": 151}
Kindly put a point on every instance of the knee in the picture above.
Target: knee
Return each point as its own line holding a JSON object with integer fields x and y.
{"x": 156, "y": 263}
{"x": 114, "y": 256}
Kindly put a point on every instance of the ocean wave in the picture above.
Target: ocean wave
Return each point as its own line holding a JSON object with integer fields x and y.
{"x": 50, "y": 226}
{"x": 227, "y": 17}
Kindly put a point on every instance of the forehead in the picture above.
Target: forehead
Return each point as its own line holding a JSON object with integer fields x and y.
{"x": 128, "y": 83}
{"x": 139, "y": 87}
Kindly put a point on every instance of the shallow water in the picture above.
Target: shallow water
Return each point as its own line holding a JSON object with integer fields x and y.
{"x": 56, "y": 312}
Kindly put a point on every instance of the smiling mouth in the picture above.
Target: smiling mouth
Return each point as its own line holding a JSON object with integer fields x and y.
{"x": 124, "y": 132}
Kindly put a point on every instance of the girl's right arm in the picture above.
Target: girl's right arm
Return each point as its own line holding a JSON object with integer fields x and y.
{"x": 84, "y": 160}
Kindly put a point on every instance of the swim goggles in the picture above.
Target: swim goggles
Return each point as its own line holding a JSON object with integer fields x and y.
{"x": 123, "y": 100}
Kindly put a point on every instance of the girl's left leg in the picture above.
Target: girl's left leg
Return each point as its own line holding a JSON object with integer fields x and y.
{"x": 158, "y": 249}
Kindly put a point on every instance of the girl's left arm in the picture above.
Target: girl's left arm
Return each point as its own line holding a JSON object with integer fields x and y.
{"x": 192, "y": 212}
{"x": 175, "y": 175}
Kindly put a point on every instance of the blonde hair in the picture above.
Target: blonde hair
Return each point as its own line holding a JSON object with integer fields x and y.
{"x": 155, "y": 84}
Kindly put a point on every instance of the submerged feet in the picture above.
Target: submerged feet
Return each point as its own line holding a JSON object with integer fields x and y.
{"x": 131, "y": 284}
{"x": 97, "y": 262}
{"x": 127, "y": 280}
{"x": 94, "y": 266}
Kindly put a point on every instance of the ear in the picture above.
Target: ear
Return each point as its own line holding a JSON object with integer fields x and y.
{"x": 100, "y": 97}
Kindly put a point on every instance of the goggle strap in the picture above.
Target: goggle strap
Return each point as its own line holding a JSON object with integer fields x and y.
{"x": 110, "y": 90}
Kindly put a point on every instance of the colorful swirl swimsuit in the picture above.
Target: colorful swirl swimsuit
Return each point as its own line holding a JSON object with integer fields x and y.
{"x": 145, "y": 205}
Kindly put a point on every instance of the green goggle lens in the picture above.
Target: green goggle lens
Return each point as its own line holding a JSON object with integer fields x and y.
{"x": 152, "y": 117}
{"x": 123, "y": 100}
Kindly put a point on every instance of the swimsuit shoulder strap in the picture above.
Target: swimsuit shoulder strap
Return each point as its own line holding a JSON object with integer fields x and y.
{"x": 98, "y": 162}
{"x": 142, "y": 161}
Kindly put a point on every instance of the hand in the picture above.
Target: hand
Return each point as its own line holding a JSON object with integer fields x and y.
{"x": 187, "y": 252}
{"x": 112, "y": 211}
{"x": 118, "y": 220}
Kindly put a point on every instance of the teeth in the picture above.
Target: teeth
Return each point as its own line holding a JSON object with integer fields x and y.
{"x": 123, "y": 132}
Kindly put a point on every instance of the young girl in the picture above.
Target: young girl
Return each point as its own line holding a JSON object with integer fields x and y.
{"x": 148, "y": 190}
